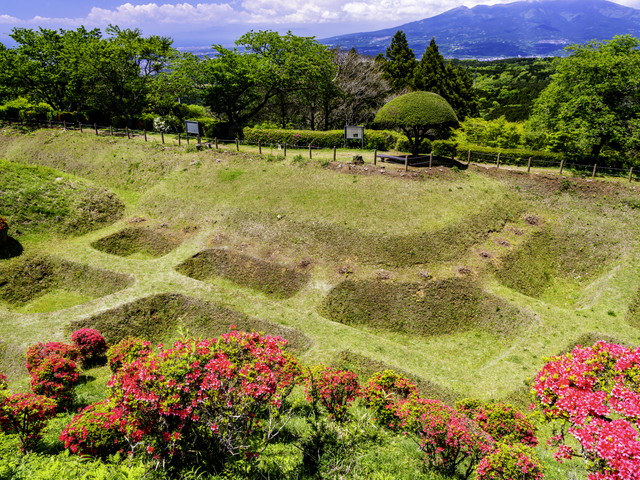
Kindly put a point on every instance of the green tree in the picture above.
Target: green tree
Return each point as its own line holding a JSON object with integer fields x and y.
{"x": 593, "y": 100}
{"x": 399, "y": 63}
{"x": 418, "y": 115}
{"x": 452, "y": 82}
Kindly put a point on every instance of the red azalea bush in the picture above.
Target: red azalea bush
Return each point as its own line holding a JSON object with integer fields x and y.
{"x": 593, "y": 393}
{"x": 37, "y": 353}
{"x": 126, "y": 351}
{"x": 383, "y": 391}
{"x": 204, "y": 401}
{"x": 452, "y": 442}
{"x": 510, "y": 462}
{"x": 26, "y": 415}
{"x": 97, "y": 431}
{"x": 500, "y": 420}
{"x": 334, "y": 389}
{"x": 3, "y": 382}
{"x": 91, "y": 344}
{"x": 56, "y": 377}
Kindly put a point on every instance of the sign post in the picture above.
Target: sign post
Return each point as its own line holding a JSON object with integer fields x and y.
{"x": 354, "y": 132}
{"x": 193, "y": 128}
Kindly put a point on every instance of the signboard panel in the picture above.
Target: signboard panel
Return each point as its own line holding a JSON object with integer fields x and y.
{"x": 353, "y": 132}
{"x": 193, "y": 127}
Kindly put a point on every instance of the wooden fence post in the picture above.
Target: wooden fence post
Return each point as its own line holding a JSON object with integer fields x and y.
{"x": 260, "y": 148}
{"x": 285, "y": 149}
{"x": 310, "y": 154}
{"x": 179, "y": 140}
{"x": 595, "y": 167}
{"x": 375, "y": 157}
{"x": 430, "y": 159}
{"x": 216, "y": 141}
{"x": 335, "y": 149}
{"x": 64, "y": 123}
{"x": 128, "y": 134}
{"x": 95, "y": 125}
{"x": 406, "y": 163}
{"x": 498, "y": 161}
{"x": 162, "y": 136}
{"x": 145, "y": 134}
{"x": 529, "y": 165}
{"x": 561, "y": 166}
{"x": 630, "y": 174}
{"x": 80, "y": 125}
{"x": 469, "y": 157}
{"x": 111, "y": 130}
{"x": 237, "y": 144}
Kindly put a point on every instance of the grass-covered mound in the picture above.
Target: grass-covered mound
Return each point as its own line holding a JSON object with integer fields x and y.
{"x": 568, "y": 252}
{"x": 365, "y": 367}
{"x": 145, "y": 241}
{"x": 275, "y": 279}
{"x": 25, "y": 278}
{"x": 336, "y": 242}
{"x": 165, "y": 317}
{"x": 37, "y": 199}
{"x": 438, "y": 307}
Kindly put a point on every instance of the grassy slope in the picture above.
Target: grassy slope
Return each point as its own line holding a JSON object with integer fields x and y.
{"x": 349, "y": 227}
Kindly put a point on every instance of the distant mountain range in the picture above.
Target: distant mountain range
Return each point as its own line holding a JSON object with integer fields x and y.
{"x": 519, "y": 29}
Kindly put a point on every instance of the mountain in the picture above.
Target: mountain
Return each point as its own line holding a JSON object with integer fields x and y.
{"x": 518, "y": 29}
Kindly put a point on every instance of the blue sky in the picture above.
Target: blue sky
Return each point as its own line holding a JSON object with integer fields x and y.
{"x": 203, "y": 22}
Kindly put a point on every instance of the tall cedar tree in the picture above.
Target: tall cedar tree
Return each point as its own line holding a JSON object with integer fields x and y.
{"x": 452, "y": 82}
{"x": 399, "y": 63}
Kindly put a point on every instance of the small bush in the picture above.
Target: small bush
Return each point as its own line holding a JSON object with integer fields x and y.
{"x": 403, "y": 145}
{"x": 91, "y": 344}
{"x": 508, "y": 462}
{"x": 56, "y": 377}
{"x": 378, "y": 139}
{"x": 125, "y": 351}
{"x": 36, "y": 354}
{"x": 445, "y": 148}
{"x": 26, "y": 415}
{"x": 3, "y": 382}
{"x": 333, "y": 389}
{"x": 383, "y": 391}
{"x": 96, "y": 431}
{"x": 167, "y": 124}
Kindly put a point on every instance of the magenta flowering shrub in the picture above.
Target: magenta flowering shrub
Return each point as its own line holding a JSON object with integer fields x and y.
{"x": 26, "y": 415}
{"x": 383, "y": 391}
{"x": 452, "y": 442}
{"x": 37, "y": 353}
{"x": 55, "y": 377}
{"x": 510, "y": 462}
{"x": 3, "y": 382}
{"x": 500, "y": 420}
{"x": 91, "y": 344}
{"x": 126, "y": 351}
{"x": 333, "y": 389}
{"x": 205, "y": 400}
{"x": 593, "y": 394}
{"x": 97, "y": 431}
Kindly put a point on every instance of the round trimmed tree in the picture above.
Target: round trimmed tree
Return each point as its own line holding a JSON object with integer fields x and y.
{"x": 418, "y": 115}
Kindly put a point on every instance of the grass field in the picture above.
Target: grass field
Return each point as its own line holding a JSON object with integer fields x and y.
{"x": 466, "y": 280}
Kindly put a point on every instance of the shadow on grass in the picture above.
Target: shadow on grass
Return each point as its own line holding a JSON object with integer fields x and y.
{"x": 10, "y": 248}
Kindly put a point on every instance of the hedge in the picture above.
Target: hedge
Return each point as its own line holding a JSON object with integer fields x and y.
{"x": 509, "y": 156}
{"x": 373, "y": 139}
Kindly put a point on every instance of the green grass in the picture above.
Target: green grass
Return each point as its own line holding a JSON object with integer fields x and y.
{"x": 439, "y": 276}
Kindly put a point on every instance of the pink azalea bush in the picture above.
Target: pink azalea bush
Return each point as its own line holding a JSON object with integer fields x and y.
{"x": 3, "y": 382}
{"x": 91, "y": 345}
{"x": 37, "y": 353}
{"x": 333, "y": 389}
{"x": 510, "y": 462}
{"x": 56, "y": 377}
{"x": 593, "y": 394}
{"x": 126, "y": 351}
{"x": 382, "y": 393}
{"x": 26, "y": 415}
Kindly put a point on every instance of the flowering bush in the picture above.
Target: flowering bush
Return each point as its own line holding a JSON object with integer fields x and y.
{"x": 97, "y": 431}
{"x": 55, "y": 377}
{"x": 510, "y": 462}
{"x": 126, "y": 351}
{"x": 452, "y": 442}
{"x": 25, "y": 415}
{"x": 334, "y": 389}
{"x": 3, "y": 382}
{"x": 37, "y": 353}
{"x": 91, "y": 344}
{"x": 382, "y": 392}
{"x": 205, "y": 400}
{"x": 4, "y": 229}
{"x": 593, "y": 393}
{"x": 500, "y": 420}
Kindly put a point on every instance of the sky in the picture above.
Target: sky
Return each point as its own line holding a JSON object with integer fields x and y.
{"x": 193, "y": 23}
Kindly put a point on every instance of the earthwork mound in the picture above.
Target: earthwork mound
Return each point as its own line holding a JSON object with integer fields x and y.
{"x": 437, "y": 307}
{"x": 167, "y": 316}
{"x": 268, "y": 277}
{"x": 365, "y": 367}
{"x": 25, "y": 278}
{"x": 145, "y": 241}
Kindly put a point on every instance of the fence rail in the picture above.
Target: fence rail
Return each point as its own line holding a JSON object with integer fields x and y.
{"x": 500, "y": 159}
